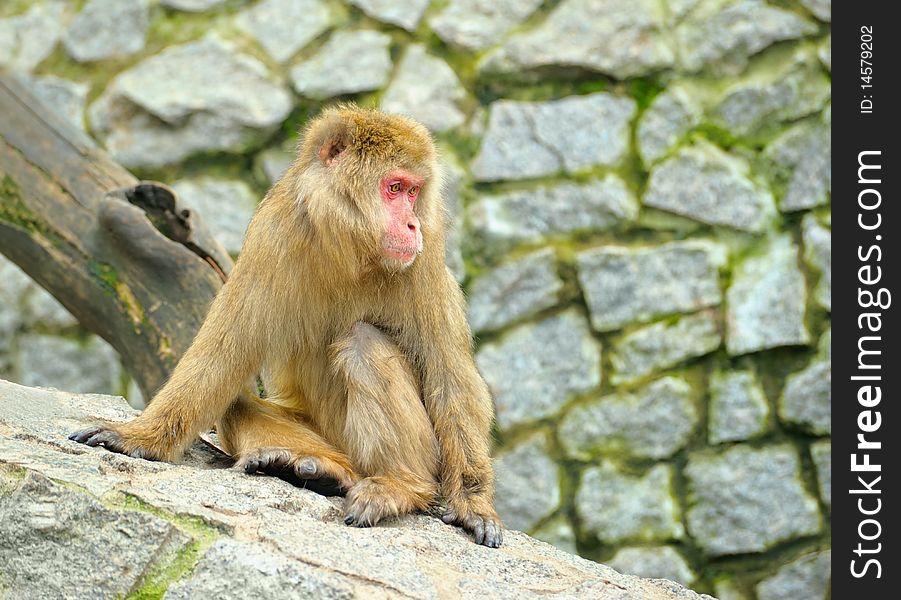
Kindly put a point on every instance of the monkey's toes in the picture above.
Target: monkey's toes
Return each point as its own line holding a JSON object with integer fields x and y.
{"x": 310, "y": 472}
{"x": 367, "y": 503}
{"x": 355, "y": 520}
{"x": 265, "y": 460}
{"x": 319, "y": 475}
{"x": 307, "y": 468}
{"x": 325, "y": 474}
{"x": 487, "y": 530}
{"x": 360, "y": 514}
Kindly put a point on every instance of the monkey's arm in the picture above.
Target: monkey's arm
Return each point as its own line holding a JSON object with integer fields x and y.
{"x": 459, "y": 404}
{"x": 224, "y": 355}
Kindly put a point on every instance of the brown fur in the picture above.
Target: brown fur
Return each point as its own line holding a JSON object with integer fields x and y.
{"x": 369, "y": 369}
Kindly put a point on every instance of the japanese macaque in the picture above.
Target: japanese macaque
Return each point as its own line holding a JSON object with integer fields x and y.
{"x": 341, "y": 301}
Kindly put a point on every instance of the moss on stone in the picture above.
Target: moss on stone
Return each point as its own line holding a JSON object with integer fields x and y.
{"x": 463, "y": 145}
{"x": 177, "y": 564}
{"x": 172, "y": 567}
{"x": 168, "y": 571}
{"x": 10, "y": 477}
{"x": 12, "y": 8}
{"x": 527, "y": 87}
{"x": 461, "y": 62}
{"x": 720, "y": 136}
{"x": 644, "y": 91}
{"x": 171, "y": 27}
{"x": 224, "y": 165}
{"x": 195, "y": 527}
{"x": 97, "y": 75}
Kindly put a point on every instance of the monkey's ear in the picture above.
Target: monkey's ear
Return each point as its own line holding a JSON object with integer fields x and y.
{"x": 331, "y": 149}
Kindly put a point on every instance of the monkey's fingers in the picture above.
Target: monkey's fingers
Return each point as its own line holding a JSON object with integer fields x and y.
{"x": 83, "y": 435}
{"x": 111, "y": 440}
{"x": 97, "y": 436}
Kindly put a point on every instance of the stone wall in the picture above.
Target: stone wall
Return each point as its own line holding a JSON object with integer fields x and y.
{"x": 641, "y": 193}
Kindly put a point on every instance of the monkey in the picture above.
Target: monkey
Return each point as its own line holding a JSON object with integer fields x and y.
{"x": 341, "y": 302}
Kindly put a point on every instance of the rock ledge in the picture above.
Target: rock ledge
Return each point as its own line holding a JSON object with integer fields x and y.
{"x": 77, "y": 521}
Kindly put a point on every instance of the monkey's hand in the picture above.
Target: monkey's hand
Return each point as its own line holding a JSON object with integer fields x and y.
{"x": 477, "y": 515}
{"x": 115, "y": 439}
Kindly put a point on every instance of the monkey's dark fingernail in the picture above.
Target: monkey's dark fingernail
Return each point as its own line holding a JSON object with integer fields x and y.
{"x": 307, "y": 467}
{"x": 449, "y": 518}
{"x": 82, "y": 435}
{"x": 251, "y": 467}
{"x": 348, "y": 520}
{"x": 479, "y": 533}
{"x": 492, "y": 535}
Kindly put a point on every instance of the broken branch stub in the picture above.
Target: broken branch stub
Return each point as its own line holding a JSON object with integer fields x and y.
{"x": 122, "y": 256}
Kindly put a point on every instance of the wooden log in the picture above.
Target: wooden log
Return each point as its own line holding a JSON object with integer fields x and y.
{"x": 121, "y": 255}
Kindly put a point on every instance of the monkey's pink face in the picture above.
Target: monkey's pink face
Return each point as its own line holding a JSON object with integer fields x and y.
{"x": 402, "y": 239}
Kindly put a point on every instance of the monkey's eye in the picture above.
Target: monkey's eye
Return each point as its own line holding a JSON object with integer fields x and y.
{"x": 394, "y": 187}
{"x": 414, "y": 190}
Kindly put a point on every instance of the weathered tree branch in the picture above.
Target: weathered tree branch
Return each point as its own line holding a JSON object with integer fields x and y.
{"x": 89, "y": 232}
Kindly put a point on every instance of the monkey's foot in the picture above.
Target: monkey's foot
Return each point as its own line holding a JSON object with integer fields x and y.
{"x": 484, "y": 524}
{"x": 317, "y": 473}
{"x": 374, "y": 499}
{"x": 110, "y": 439}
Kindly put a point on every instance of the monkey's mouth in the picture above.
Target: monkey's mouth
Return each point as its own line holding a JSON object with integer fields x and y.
{"x": 404, "y": 254}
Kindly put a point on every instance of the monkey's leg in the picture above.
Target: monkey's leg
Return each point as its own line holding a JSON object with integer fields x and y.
{"x": 457, "y": 401}
{"x": 272, "y": 440}
{"x": 387, "y": 433}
